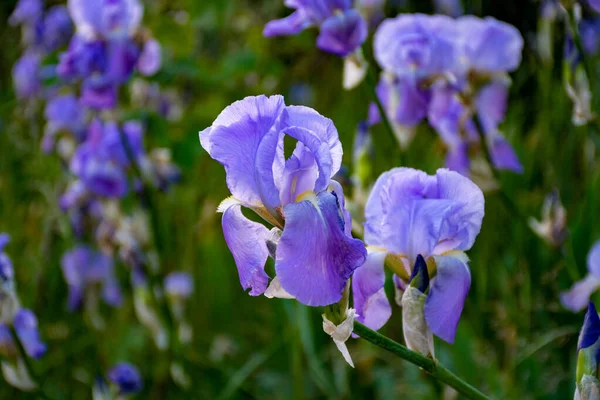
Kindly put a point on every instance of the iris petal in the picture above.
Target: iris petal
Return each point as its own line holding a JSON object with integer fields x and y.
{"x": 370, "y": 301}
{"x": 315, "y": 257}
{"x": 247, "y": 242}
{"x": 446, "y": 298}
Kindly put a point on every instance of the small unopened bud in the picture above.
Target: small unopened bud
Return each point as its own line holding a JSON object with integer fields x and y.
{"x": 588, "y": 346}
{"x": 417, "y": 335}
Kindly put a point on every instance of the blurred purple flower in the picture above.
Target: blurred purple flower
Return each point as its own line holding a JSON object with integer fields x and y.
{"x": 595, "y": 4}
{"x": 405, "y": 102}
{"x": 411, "y": 214}
{"x": 577, "y": 298}
{"x": 417, "y": 44}
{"x": 590, "y": 35}
{"x": 58, "y": 28}
{"x": 6, "y": 268}
{"x": 83, "y": 268}
{"x": 127, "y": 378}
{"x": 108, "y": 19}
{"x": 150, "y": 58}
{"x": 490, "y": 45}
{"x": 179, "y": 284}
{"x": 101, "y": 161}
{"x": 342, "y": 28}
{"x": 315, "y": 254}
{"x": 26, "y": 75}
{"x": 63, "y": 113}
{"x": 26, "y": 12}
{"x": 26, "y": 326}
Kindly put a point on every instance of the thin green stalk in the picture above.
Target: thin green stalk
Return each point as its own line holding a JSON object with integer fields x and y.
{"x": 579, "y": 44}
{"x": 372, "y": 83}
{"x": 429, "y": 365}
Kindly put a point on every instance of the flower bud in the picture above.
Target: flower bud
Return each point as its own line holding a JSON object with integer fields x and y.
{"x": 588, "y": 386}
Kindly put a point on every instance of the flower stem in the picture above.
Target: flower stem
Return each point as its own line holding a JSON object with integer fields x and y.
{"x": 372, "y": 83}
{"x": 431, "y": 366}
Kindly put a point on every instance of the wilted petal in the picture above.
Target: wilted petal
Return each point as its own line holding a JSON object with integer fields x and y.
{"x": 342, "y": 34}
{"x": 446, "y": 299}
{"x": 417, "y": 334}
{"x": 370, "y": 300}
{"x": 578, "y": 297}
{"x": 247, "y": 242}
{"x": 234, "y": 138}
{"x": 315, "y": 257}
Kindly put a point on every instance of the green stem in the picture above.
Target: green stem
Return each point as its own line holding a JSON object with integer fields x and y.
{"x": 372, "y": 83}
{"x": 154, "y": 276}
{"x": 431, "y": 366}
{"x": 579, "y": 44}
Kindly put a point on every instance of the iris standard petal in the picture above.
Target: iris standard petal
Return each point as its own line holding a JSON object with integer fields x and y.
{"x": 247, "y": 242}
{"x": 446, "y": 298}
{"x": 315, "y": 257}
{"x": 299, "y": 174}
{"x": 490, "y": 45}
{"x": 578, "y": 297}
{"x": 463, "y": 224}
{"x": 370, "y": 300}
{"x": 234, "y": 138}
{"x": 342, "y": 34}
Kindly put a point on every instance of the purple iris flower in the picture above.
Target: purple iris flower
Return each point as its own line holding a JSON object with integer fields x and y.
{"x": 489, "y": 45}
{"x": 6, "y": 268}
{"x": 26, "y": 75}
{"x": 58, "y": 28}
{"x": 417, "y": 44}
{"x": 26, "y": 12}
{"x": 83, "y": 268}
{"x": 127, "y": 378}
{"x": 106, "y": 18}
{"x": 101, "y": 161}
{"x": 406, "y": 103}
{"x": 315, "y": 252}
{"x": 179, "y": 284}
{"x": 578, "y": 296}
{"x": 342, "y": 28}
{"x": 411, "y": 214}
{"x": 63, "y": 113}
{"x": 26, "y": 326}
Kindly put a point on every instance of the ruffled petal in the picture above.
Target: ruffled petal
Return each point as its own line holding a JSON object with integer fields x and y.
{"x": 315, "y": 257}
{"x": 578, "y": 297}
{"x": 247, "y": 242}
{"x": 342, "y": 34}
{"x": 446, "y": 298}
{"x": 370, "y": 300}
{"x": 234, "y": 138}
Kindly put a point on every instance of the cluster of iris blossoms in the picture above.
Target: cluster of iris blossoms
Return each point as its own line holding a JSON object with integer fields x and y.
{"x": 103, "y": 154}
{"x": 454, "y": 73}
{"x": 416, "y": 224}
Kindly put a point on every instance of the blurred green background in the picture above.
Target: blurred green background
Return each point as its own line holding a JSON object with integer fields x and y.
{"x": 515, "y": 340}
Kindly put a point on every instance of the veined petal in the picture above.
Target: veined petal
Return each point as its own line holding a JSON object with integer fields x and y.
{"x": 315, "y": 257}
{"x": 578, "y": 297}
{"x": 446, "y": 298}
{"x": 247, "y": 242}
{"x": 234, "y": 139}
{"x": 370, "y": 300}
